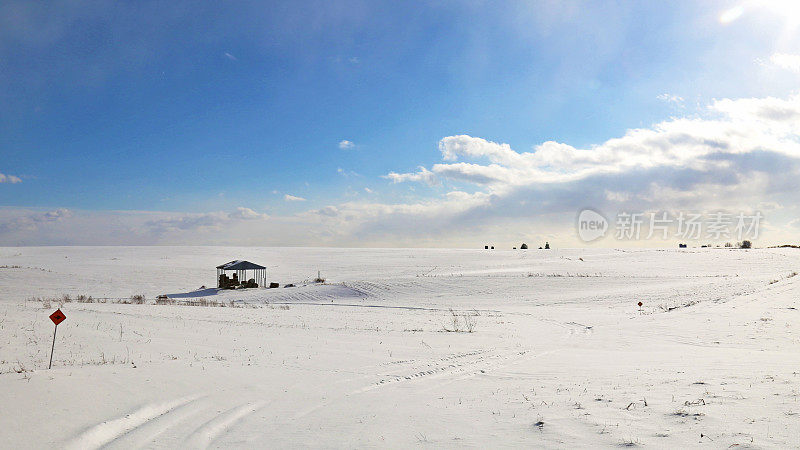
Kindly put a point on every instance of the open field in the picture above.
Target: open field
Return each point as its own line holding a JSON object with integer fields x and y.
{"x": 403, "y": 348}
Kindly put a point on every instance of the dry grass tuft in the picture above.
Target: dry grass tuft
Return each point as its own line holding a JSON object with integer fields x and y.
{"x": 461, "y": 323}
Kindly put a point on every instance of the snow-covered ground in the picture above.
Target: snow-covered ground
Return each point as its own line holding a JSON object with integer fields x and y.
{"x": 559, "y": 355}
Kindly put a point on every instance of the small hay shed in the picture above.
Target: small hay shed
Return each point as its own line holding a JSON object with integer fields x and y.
{"x": 240, "y": 271}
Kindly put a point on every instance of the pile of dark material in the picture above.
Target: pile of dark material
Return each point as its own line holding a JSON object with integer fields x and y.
{"x": 233, "y": 282}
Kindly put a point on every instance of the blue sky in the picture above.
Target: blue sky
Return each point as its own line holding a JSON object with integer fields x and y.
{"x": 180, "y": 111}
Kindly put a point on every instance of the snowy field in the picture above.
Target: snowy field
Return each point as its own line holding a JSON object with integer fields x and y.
{"x": 403, "y": 348}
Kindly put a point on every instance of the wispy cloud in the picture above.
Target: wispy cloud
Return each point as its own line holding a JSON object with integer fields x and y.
{"x": 786, "y": 61}
{"x": 292, "y": 198}
{"x": 347, "y": 173}
{"x": 9, "y": 179}
{"x": 346, "y": 145}
{"x": 676, "y": 100}
{"x": 423, "y": 175}
{"x": 231, "y": 57}
{"x": 353, "y": 60}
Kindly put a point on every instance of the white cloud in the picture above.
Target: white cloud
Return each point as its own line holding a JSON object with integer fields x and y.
{"x": 676, "y": 100}
{"x": 231, "y": 57}
{"x": 473, "y": 173}
{"x": 346, "y": 145}
{"x": 242, "y": 226}
{"x": 330, "y": 211}
{"x": 734, "y": 130}
{"x": 292, "y": 198}
{"x": 452, "y": 147}
{"x": 9, "y": 179}
{"x": 786, "y": 61}
{"x": 424, "y": 175}
{"x": 364, "y": 222}
{"x": 32, "y": 220}
{"x": 202, "y": 221}
{"x": 187, "y": 222}
{"x": 242, "y": 213}
{"x": 347, "y": 173}
{"x": 738, "y": 154}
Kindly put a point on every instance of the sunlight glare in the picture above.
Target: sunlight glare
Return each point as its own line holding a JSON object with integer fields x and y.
{"x": 730, "y": 15}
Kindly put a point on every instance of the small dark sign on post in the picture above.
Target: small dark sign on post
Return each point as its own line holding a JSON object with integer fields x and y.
{"x": 640, "y": 306}
{"x": 57, "y": 317}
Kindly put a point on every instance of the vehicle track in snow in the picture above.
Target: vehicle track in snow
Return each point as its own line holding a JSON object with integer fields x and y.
{"x": 110, "y": 430}
{"x": 444, "y": 370}
{"x": 186, "y": 422}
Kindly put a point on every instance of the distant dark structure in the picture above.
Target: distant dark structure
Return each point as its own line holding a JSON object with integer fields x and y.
{"x": 486, "y": 247}
{"x": 493, "y": 247}
{"x": 746, "y": 244}
{"x": 239, "y": 277}
{"x": 681, "y": 245}
{"x": 547, "y": 246}
{"x": 524, "y": 246}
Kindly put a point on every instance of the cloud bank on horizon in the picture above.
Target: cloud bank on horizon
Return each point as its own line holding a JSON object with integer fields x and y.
{"x": 743, "y": 155}
{"x": 737, "y": 152}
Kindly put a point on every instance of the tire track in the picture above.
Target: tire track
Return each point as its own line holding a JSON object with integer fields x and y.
{"x": 454, "y": 367}
{"x": 108, "y": 431}
{"x": 207, "y": 433}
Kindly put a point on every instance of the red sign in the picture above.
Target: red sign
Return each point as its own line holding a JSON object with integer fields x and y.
{"x": 57, "y": 317}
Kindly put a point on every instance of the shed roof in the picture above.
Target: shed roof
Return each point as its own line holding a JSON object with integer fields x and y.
{"x": 240, "y": 265}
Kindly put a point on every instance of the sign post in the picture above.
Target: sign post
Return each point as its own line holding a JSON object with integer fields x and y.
{"x": 57, "y": 317}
